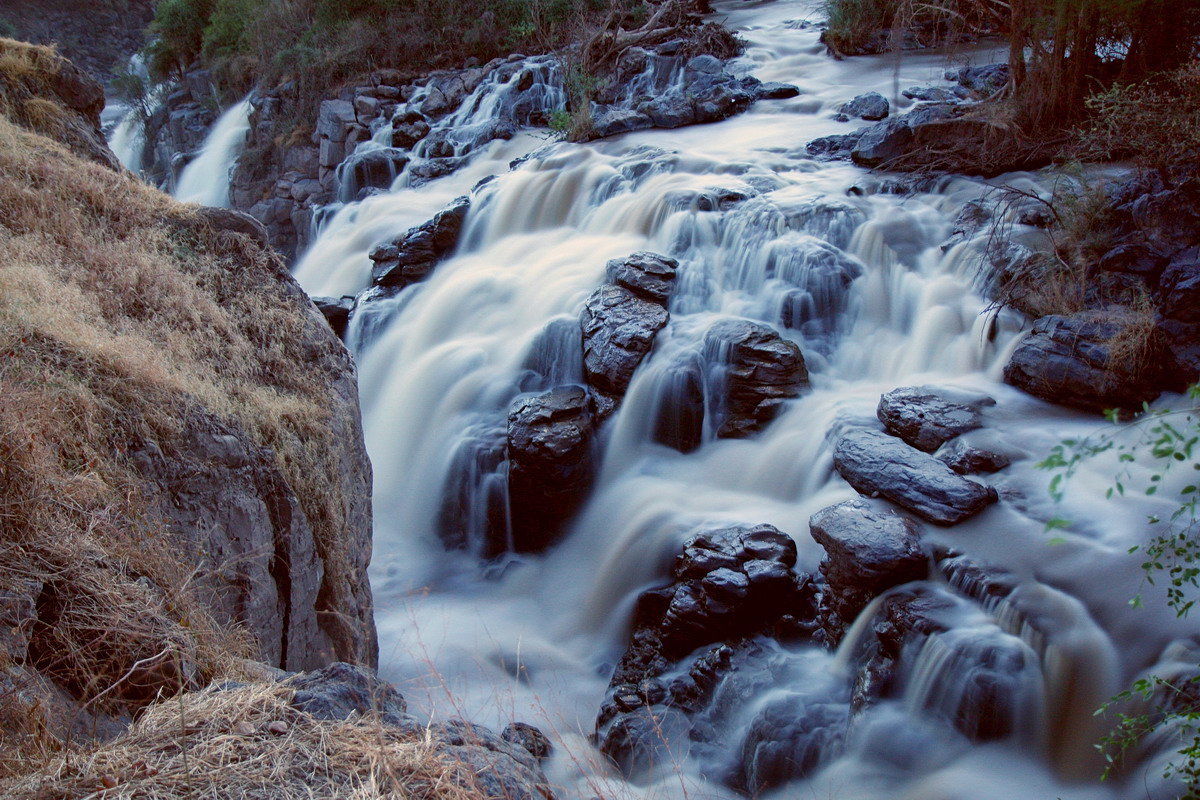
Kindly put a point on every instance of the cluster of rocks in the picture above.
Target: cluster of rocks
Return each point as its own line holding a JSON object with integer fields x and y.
{"x": 898, "y": 466}
{"x": 1117, "y": 354}
{"x": 728, "y": 585}
{"x": 643, "y": 92}
{"x": 940, "y": 133}
{"x": 284, "y": 185}
{"x": 178, "y": 126}
{"x": 505, "y": 766}
{"x": 733, "y": 591}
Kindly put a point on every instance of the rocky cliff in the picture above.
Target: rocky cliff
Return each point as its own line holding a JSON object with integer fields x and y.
{"x": 182, "y": 469}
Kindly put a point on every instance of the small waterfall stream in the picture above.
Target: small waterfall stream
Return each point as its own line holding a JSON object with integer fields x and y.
{"x": 999, "y": 705}
{"x": 205, "y": 180}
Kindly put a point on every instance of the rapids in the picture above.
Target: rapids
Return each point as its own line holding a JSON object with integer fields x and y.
{"x": 758, "y": 227}
{"x": 205, "y": 180}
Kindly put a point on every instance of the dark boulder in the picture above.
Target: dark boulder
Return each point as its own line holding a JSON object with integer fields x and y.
{"x": 336, "y": 311}
{"x": 407, "y": 259}
{"x": 408, "y": 129}
{"x": 878, "y": 465}
{"x": 789, "y": 739}
{"x": 727, "y": 584}
{"x": 871, "y": 106}
{"x": 373, "y": 169}
{"x": 772, "y": 90}
{"x": 925, "y": 419}
{"x": 529, "y": 737}
{"x": 968, "y": 459}
{"x": 1075, "y": 361}
{"x": 903, "y": 615}
{"x": 618, "y": 331}
{"x": 551, "y": 463}
{"x": 866, "y": 552}
{"x": 648, "y": 275}
{"x": 889, "y": 140}
{"x": 981, "y": 81}
{"x": 340, "y": 691}
{"x": 761, "y": 371}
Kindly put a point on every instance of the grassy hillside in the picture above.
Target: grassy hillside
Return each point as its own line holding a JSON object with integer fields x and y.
{"x": 123, "y": 313}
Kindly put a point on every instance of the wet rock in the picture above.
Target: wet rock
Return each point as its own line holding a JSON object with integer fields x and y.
{"x": 772, "y": 90}
{"x": 1072, "y": 361}
{"x": 643, "y": 738}
{"x": 336, "y": 311}
{"x": 838, "y": 146}
{"x": 373, "y": 169}
{"x": 878, "y": 465}
{"x": 789, "y": 739}
{"x": 648, "y": 275}
{"x": 340, "y": 690}
{"x": 967, "y": 459}
{"x": 894, "y": 138}
{"x": 936, "y": 94}
{"x": 618, "y": 331}
{"x": 529, "y": 737}
{"x": 613, "y": 120}
{"x": 550, "y": 440}
{"x": 903, "y": 615}
{"x": 762, "y": 371}
{"x": 870, "y": 106}
{"x": 335, "y": 119}
{"x": 926, "y": 419}
{"x": 867, "y": 552}
{"x": 407, "y": 259}
{"x": 408, "y": 129}
{"x": 981, "y": 81}
{"x": 727, "y": 584}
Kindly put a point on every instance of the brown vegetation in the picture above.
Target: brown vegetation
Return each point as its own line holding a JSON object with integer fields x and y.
{"x": 250, "y": 743}
{"x": 120, "y": 310}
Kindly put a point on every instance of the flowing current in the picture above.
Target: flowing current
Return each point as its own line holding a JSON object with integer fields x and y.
{"x": 205, "y": 180}
{"x": 756, "y": 226}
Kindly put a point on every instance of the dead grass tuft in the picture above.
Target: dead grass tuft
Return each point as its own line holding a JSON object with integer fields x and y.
{"x": 220, "y": 745}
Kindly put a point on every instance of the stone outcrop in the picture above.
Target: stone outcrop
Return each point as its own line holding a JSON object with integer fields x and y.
{"x": 878, "y": 465}
{"x": 866, "y": 552}
{"x": 727, "y": 585}
{"x": 925, "y": 419}
{"x": 410, "y": 257}
{"x": 761, "y": 371}
{"x": 551, "y": 463}
{"x": 618, "y": 331}
{"x": 871, "y": 106}
{"x": 98, "y": 40}
{"x": 1071, "y": 360}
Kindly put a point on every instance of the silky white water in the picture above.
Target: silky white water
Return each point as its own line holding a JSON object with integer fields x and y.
{"x": 205, "y": 180}
{"x": 534, "y": 638}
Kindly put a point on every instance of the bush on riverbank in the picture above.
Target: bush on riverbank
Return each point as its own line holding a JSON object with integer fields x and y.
{"x": 327, "y": 41}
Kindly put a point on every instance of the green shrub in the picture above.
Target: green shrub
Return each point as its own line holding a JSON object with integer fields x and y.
{"x": 1155, "y": 123}
{"x": 178, "y": 29}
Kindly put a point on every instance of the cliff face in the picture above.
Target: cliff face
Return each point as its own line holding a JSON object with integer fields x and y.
{"x": 96, "y": 35}
{"x": 182, "y": 473}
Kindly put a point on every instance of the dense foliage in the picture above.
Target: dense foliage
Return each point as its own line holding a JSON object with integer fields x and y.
{"x": 248, "y": 41}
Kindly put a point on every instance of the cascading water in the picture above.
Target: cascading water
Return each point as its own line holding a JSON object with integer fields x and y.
{"x": 205, "y": 180}
{"x": 995, "y": 700}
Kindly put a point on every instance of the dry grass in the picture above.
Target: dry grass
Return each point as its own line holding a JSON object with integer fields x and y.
{"x": 120, "y": 310}
{"x": 219, "y": 745}
{"x": 25, "y": 85}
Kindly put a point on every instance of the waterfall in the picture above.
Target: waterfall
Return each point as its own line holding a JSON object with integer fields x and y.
{"x": 992, "y": 704}
{"x": 205, "y": 180}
